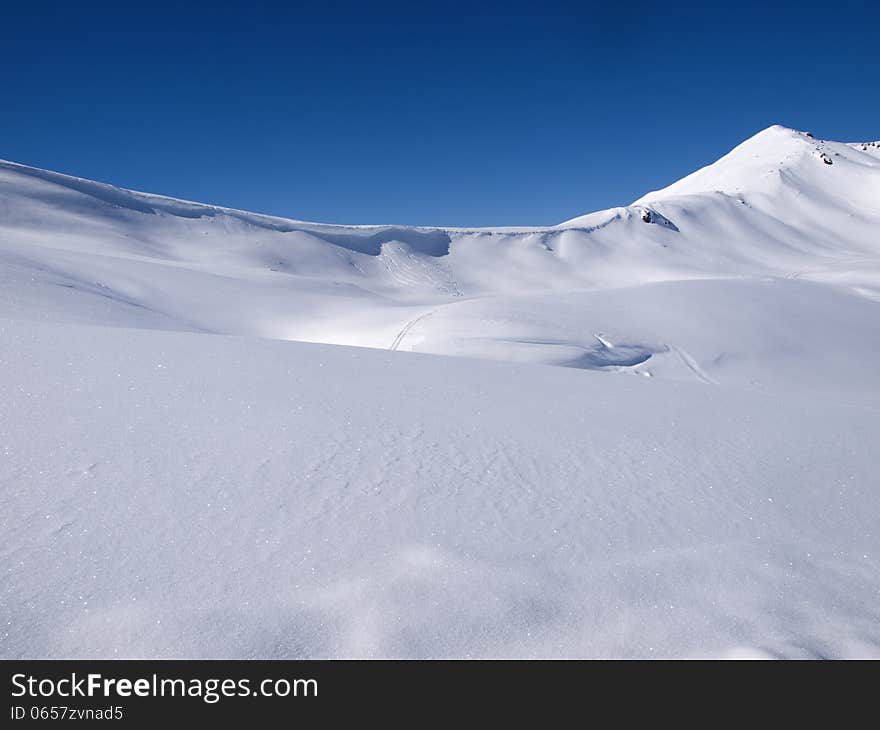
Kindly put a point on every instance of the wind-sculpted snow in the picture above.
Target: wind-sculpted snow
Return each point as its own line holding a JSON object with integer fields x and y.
{"x": 170, "y": 494}
{"x": 696, "y": 478}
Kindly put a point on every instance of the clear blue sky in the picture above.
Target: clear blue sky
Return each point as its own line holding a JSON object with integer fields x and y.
{"x": 435, "y": 113}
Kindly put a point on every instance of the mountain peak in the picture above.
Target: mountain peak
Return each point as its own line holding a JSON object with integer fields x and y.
{"x": 758, "y": 163}
{"x": 779, "y": 129}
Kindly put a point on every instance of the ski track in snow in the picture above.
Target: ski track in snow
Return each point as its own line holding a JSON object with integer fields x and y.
{"x": 409, "y": 325}
{"x": 693, "y": 366}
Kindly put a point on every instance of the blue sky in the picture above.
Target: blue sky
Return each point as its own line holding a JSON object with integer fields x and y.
{"x": 448, "y": 113}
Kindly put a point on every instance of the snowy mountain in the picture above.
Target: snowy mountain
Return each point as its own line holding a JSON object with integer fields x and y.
{"x": 171, "y": 493}
{"x": 772, "y": 208}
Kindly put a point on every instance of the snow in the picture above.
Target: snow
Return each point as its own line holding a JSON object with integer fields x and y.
{"x": 228, "y": 434}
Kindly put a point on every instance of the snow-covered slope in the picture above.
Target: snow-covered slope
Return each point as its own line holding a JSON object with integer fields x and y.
{"x": 771, "y": 208}
{"x": 169, "y": 494}
{"x": 176, "y": 493}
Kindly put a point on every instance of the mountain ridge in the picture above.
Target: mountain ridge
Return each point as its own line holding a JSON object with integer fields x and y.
{"x": 771, "y": 208}
{"x": 156, "y": 202}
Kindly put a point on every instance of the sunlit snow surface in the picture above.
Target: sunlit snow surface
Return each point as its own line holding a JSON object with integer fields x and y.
{"x": 177, "y": 480}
